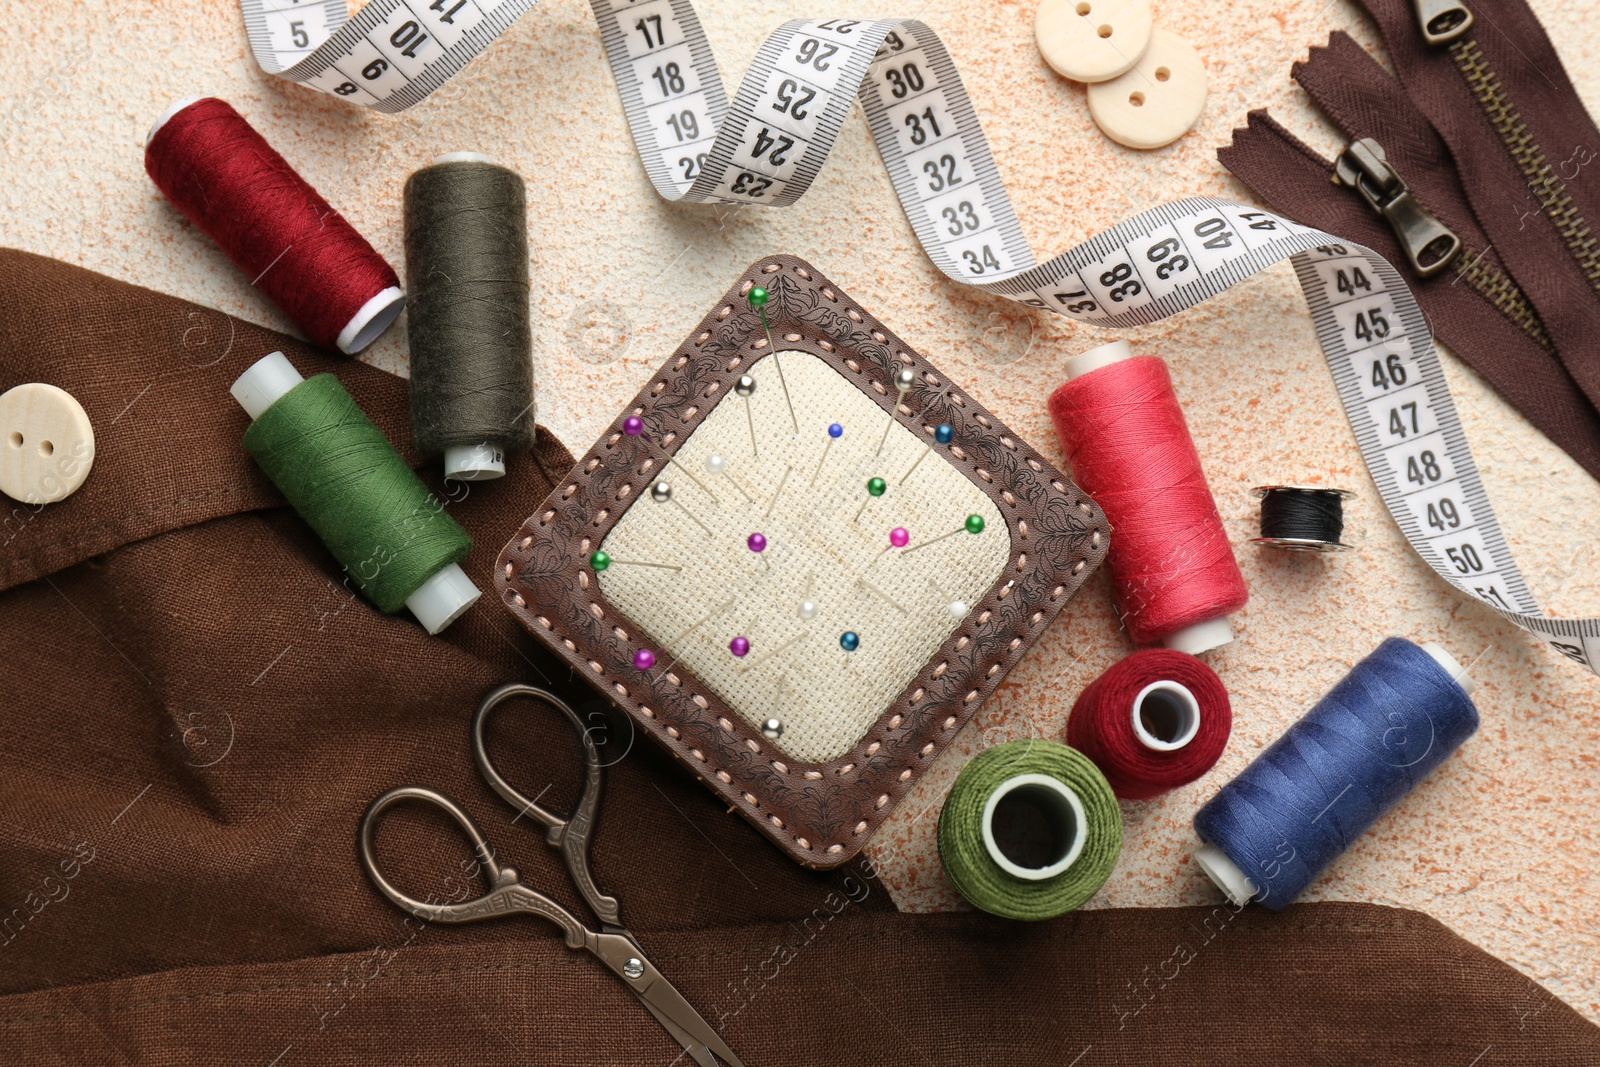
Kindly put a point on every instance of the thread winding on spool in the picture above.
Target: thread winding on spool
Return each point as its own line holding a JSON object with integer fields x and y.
{"x": 1302, "y": 518}
{"x": 214, "y": 167}
{"x": 1299, "y": 804}
{"x": 349, "y": 484}
{"x": 1154, "y": 721}
{"x": 1030, "y": 830}
{"x": 1124, "y": 434}
{"x": 471, "y": 341}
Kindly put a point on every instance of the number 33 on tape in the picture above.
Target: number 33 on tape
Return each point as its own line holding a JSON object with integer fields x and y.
{"x": 767, "y": 146}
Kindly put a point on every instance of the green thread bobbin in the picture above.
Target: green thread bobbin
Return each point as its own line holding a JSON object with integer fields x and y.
{"x": 344, "y": 478}
{"x": 1068, "y": 800}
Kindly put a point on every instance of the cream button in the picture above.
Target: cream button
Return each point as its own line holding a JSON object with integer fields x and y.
{"x": 1157, "y": 101}
{"x": 46, "y": 443}
{"x": 1092, "y": 40}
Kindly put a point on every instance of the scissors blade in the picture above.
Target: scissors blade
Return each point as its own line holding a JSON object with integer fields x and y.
{"x": 622, "y": 954}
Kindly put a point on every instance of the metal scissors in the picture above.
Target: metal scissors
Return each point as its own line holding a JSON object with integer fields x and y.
{"x": 612, "y": 944}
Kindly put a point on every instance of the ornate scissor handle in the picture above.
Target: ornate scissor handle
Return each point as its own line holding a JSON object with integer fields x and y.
{"x": 507, "y": 895}
{"x": 570, "y": 834}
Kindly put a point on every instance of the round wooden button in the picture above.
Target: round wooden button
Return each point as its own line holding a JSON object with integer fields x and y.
{"x": 46, "y": 443}
{"x": 1092, "y": 40}
{"x": 1157, "y": 101}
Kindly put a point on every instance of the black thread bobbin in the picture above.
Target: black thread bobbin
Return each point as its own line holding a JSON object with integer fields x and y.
{"x": 1302, "y": 518}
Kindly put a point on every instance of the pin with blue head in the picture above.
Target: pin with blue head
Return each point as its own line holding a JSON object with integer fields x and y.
{"x": 943, "y": 434}
{"x": 835, "y": 431}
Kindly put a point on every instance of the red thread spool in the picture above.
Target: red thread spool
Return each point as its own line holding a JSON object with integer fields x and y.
{"x": 1171, "y": 564}
{"x": 1156, "y": 720}
{"x": 216, "y": 169}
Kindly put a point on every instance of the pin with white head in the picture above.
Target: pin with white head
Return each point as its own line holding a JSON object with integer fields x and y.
{"x": 661, "y": 493}
{"x": 717, "y": 466}
{"x": 904, "y": 379}
{"x": 758, "y": 298}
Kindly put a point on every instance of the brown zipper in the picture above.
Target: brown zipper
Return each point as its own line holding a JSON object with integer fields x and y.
{"x": 1542, "y": 179}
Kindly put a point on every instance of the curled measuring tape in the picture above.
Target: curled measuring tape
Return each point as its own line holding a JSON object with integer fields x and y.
{"x": 768, "y": 146}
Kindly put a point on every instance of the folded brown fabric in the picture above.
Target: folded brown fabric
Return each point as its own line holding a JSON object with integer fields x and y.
{"x": 196, "y": 711}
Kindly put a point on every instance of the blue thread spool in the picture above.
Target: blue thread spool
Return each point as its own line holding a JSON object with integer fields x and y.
{"x": 1299, "y": 804}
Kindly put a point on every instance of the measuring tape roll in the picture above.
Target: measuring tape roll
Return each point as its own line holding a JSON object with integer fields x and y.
{"x": 769, "y": 144}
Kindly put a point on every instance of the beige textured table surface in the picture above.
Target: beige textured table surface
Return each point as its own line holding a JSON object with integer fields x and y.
{"x": 1500, "y": 844}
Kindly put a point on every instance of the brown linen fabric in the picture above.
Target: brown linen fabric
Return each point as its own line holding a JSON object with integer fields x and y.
{"x": 196, "y": 712}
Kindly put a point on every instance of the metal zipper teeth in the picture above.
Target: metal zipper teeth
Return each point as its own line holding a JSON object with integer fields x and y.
{"x": 1541, "y": 178}
{"x": 1495, "y": 286}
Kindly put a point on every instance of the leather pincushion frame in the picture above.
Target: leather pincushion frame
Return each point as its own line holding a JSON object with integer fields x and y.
{"x": 819, "y": 812}
{"x": 168, "y": 898}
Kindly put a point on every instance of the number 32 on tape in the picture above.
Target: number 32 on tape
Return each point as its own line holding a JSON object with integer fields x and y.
{"x": 767, "y": 146}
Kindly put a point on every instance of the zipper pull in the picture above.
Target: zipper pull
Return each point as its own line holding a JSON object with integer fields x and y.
{"x": 1442, "y": 21}
{"x": 1430, "y": 245}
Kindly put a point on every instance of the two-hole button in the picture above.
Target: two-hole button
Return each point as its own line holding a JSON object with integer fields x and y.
{"x": 46, "y": 443}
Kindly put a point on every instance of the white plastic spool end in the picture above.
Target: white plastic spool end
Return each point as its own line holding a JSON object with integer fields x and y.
{"x": 474, "y": 463}
{"x": 1102, "y": 356}
{"x": 263, "y": 382}
{"x": 1454, "y": 669}
{"x": 374, "y": 317}
{"x": 1201, "y": 637}
{"x": 166, "y": 116}
{"x": 442, "y": 599}
{"x": 462, "y": 157}
{"x": 1173, "y": 714}
{"x": 1225, "y": 874}
{"x": 1059, "y": 805}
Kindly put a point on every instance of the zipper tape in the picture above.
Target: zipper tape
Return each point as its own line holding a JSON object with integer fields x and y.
{"x": 768, "y": 146}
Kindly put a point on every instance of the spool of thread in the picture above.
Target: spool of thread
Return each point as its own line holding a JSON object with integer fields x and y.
{"x": 1154, "y": 721}
{"x": 471, "y": 342}
{"x": 1299, "y": 804}
{"x": 216, "y": 169}
{"x": 346, "y": 480}
{"x": 1030, "y": 830}
{"x": 1302, "y": 518}
{"x": 1124, "y": 435}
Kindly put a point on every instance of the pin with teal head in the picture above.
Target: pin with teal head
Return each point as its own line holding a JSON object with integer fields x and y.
{"x": 758, "y": 298}
{"x": 943, "y": 433}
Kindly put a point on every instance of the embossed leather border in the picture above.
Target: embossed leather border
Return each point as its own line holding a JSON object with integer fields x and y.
{"x": 820, "y": 814}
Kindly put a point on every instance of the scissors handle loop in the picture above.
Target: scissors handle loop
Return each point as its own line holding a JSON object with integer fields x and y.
{"x": 570, "y": 834}
{"x": 507, "y": 895}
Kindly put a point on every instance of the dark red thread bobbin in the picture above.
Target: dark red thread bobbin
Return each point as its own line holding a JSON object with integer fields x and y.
{"x": 1156, "y": 720}
{"x": 1170, "y": 559}
{"x": 214, "y": 167}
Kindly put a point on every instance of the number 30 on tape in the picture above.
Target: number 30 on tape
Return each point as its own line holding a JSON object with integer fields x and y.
{"x": 768, "y": 145}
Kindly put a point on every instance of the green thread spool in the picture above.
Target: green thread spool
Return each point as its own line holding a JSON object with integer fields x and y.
{"x": 346, "y": 480}
{"x": 466, "y": 234}
{"x": 1030, "y": 830}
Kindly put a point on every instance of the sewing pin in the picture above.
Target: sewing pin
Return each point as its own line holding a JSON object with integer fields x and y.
{"x": 904, "y": 379}
{"x": 758, "y": 299}
{"x": 875, "y": 487}
{"x": 801, "y": 636}
{"x": 661, "y": 493}
{"x": 717, "y": 464}
{"x": 880, "y": 593}
{"x": 757, "y": 543}
{"x": 973, "y": 525}
{"x": 944, "y": 433}
{"x": 834, "y": 431}
{"x": 633, "y": 426}
{"x": 601, "y": 560}
{"x": 746, "y": 387}
{"x": 786, "y": 472}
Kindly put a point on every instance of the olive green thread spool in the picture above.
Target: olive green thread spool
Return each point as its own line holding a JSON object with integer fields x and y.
{"x": 466, "y": 237}
{"x": 1030, "y": 830}
{"x": 349, "y": 484}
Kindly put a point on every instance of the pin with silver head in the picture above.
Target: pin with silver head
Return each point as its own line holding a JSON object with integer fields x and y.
{"x": 746, "y": 387}
{"x": 661, "y": 493}
{"x": 904, "y": 379}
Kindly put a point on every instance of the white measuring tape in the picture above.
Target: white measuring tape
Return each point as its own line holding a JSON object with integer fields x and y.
{"x": 770, "y": 144}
